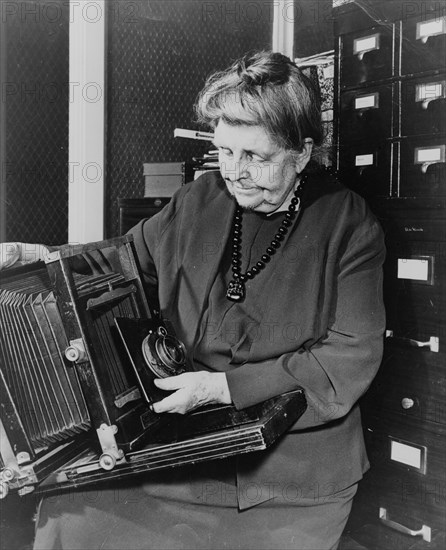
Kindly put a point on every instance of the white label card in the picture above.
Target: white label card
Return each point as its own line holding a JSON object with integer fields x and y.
{"x": 429, "y": 90}
{"x": 406, "y": 454}
{"x": 366, "y": 101}
{"x": 431, "y": 27}
{"x": 430, "y": 154}
{"x": 365, "y": 44}
{"x": 364, "y": 160}
{"x": 416, "y": 270}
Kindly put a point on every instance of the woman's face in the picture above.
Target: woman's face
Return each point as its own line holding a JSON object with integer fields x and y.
{"x": 259, "y": 174}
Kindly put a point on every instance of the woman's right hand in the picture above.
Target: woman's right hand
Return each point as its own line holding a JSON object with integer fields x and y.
{"x": 22, "y": 253}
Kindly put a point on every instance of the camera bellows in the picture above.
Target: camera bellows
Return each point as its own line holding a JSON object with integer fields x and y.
{"x": 41, "y": 391}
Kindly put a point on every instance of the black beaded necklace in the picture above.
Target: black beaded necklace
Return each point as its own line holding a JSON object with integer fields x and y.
{"x": 236, "y": 287}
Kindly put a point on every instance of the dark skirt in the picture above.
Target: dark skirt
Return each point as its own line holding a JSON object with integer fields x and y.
{"x": 190, "y": 508}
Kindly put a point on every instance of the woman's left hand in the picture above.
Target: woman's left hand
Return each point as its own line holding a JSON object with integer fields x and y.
{"x": 21, "y": 253}
{"x": 191, "y": 390}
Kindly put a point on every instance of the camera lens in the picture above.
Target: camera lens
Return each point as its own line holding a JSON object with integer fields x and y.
{"x": 170, "y": 351}
{"x": 173, "y": 351}
{"x": 164, "y": 354}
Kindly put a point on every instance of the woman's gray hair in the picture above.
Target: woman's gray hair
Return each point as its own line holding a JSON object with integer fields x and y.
{"x": 264, "y": 89}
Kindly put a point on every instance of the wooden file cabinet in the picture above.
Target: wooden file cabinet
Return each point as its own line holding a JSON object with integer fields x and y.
{"x": 391, "y": 141}
{"x": 132, "y": 211}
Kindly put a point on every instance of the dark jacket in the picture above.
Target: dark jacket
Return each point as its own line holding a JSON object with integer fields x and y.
{"x": 323, "y": 293}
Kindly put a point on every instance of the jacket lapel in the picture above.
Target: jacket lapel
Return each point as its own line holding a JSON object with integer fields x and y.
{"x": 204, "y": 237}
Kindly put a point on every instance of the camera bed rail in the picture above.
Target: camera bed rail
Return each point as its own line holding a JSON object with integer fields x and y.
{"x": 274, "y": 417}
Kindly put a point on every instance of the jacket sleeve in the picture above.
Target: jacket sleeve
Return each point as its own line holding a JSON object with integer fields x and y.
{"x": 338, "y": 368}
{"x": 146, "y": 238}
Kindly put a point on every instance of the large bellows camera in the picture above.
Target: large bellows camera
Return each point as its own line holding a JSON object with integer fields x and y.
{"x": 79, "y": 351}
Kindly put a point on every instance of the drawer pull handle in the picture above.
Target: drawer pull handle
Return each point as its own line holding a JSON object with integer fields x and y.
{"x": 407, "y": 403}
{"x": 424, "y": 532}
{"x": 433, "y": 343}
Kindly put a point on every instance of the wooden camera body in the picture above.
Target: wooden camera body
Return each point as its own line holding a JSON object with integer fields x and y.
{"x": 80, "y": 349}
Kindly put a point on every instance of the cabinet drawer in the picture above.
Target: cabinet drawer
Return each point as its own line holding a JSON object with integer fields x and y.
{"x": 407, "y": 447}
{"x": 408, "y": 472}
{"x": 422, "y": 167}
{"x": 412, "y": 385}
{"x": 423, "y": 43}
{"x": 366, "y": 115}
{"x": 414, "y": 289}
{"x": 411, "y": 228}
{"x": 367, "y": 56}
{"x": 132, "y": 211}
{"x": 366, "y": 168}
{"x": 423, "y": 106}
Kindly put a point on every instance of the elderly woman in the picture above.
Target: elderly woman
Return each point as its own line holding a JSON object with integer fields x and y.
{"x": 270, "y": 272}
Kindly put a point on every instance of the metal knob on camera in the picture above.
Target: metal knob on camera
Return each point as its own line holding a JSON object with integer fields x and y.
{"x": 107, "y": 461}
{"x": 407, "y": 403}
{"x": 75, "y": 352}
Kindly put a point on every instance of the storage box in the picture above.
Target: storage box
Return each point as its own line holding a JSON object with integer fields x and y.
{"x": 162, "y": 179}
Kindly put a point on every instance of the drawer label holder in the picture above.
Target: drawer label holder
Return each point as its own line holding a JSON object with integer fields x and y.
{"x": 425, "y": 156}
{"x": 432, "y": 27}
{"x": 408, "y": 453}
{"x": 365, "y": 44}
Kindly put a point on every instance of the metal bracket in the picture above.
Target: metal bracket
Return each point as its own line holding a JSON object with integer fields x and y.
{"x": 131, "y": 395}
{"x": 52, "y": 257}
{"x": 106, "y": 436}
{"x": 16, "y": 473}
{"x": 110, "y": 452}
